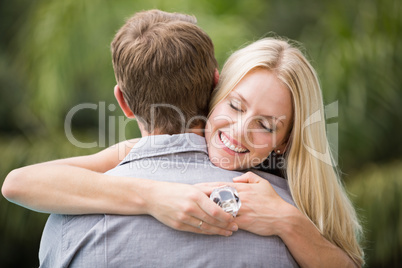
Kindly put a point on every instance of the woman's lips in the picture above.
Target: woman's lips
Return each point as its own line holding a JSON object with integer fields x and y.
{"x": 231, "y": 144}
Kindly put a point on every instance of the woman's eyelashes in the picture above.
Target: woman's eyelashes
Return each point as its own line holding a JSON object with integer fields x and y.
{"x": 265, "y": 126}
{"x": 236, "y": 106}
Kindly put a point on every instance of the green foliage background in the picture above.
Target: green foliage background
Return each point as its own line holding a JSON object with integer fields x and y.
{"x": 55, "y": 55}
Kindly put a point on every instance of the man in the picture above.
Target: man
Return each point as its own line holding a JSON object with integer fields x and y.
{"x": 165, "y": 71}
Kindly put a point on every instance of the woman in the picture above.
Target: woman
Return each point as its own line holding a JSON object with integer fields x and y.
{"x": 244, "y": 127}
{"x": 311, "y": 177}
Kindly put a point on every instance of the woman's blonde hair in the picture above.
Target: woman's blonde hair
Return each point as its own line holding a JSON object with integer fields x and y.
{"x": 314, "y": 182}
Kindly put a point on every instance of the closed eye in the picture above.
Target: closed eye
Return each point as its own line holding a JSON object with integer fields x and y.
{"x": 234, "y": 107}
{"x": 270, "y": 130}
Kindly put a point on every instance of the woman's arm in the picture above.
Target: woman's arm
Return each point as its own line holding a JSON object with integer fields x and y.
{"x": 74, "y": 186}
{"x": 307, "y": 245}
{"x": 265, "y": 213}
{"x": 66, "y": 185}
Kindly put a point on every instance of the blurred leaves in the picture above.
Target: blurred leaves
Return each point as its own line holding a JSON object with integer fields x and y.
{"x": 55, "y": 55}
{"x": 21, "y": 229}
{"x": 359, "y": 57}
{"x": 376, "y": 192}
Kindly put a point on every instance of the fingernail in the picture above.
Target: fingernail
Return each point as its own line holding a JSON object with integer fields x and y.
{"x": 234, "y": 228}
{"x": 227, "y": 233}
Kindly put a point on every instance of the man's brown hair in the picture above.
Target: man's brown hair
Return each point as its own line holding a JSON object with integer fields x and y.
{"x": 164, "y": 64}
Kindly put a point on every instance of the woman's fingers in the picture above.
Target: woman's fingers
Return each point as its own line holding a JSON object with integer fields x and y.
{"x": 183, "y": 207}
{"x": 201, "y": 223}
{"x": 195, "y": 225}
{"x": 208, "y": 187}
{"x": 205, "y": 227}
{"x": 248, "y": 177}
{"x": 213, "y": 215}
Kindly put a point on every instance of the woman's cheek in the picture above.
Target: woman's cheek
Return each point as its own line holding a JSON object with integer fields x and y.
{"x": 263, "y": 145}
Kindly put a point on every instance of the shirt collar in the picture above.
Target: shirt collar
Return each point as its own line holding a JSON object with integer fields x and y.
{"x": 157, "y": 145}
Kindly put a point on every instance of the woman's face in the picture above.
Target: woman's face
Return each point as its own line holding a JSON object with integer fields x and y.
{"x": 251, "y": 122}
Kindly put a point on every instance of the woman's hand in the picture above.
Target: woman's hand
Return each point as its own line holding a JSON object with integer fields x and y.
{"x": 183, "y": 207}
{"x": 261, "y": 207}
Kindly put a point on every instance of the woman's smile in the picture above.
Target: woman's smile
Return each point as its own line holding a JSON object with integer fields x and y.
{"x": 232, "y": 146}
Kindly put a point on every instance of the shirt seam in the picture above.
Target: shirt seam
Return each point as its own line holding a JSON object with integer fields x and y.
{"x": 158, "y": 154}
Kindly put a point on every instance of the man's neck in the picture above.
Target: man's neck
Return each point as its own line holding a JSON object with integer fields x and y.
{"x": 199, "y": 130}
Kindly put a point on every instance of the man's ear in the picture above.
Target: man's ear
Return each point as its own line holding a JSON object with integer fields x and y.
{"x": 216, "y": 77}
{"x": 122, "y": 102}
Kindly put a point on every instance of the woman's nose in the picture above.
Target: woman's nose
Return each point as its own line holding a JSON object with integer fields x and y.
{"x": 241, "y": 128}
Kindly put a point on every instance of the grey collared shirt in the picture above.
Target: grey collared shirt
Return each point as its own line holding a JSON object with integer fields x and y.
{"x": 142, "y": 241}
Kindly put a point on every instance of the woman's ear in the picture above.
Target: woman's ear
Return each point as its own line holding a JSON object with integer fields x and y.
{"x": 281, "y": 148}
{"x": 122, "y": 102}
{"x": 286, "y": 143}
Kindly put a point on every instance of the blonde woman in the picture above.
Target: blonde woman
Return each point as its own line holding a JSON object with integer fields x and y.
{"x": 314, "y": 182}
{"x": 266, "y": 100}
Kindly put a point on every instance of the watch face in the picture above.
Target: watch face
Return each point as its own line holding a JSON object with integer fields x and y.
{"x": 227, "y": 198}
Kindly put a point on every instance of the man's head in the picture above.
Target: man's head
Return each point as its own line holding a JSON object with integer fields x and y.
{"x": 164, "y": 65}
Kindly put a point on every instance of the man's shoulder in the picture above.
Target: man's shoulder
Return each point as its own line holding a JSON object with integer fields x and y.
{"x": 279, "y": 184}
{"x": 273, "y": 179}
{"x": 164, "y": 145}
